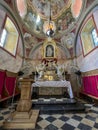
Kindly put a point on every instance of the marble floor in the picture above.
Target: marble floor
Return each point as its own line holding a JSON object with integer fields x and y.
{"x": 87, "y": 120}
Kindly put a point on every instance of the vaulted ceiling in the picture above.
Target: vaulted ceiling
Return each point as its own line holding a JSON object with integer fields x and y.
{"x": 36, "y": 13}
{"x": 34, "y": 16}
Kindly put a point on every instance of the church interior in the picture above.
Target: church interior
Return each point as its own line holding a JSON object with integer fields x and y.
{"x": 48, "y": 65}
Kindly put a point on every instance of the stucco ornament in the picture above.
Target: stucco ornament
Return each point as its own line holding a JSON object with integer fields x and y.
{"x": 68, "y": 40}
{"x": 30, "y": 40}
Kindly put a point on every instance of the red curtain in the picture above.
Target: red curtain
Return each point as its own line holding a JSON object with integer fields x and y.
{"x": 90, "y": 85}
{"x": 2, "y": 78}
{"x": 10, "y": 83}
{"x": 94, "y": 84}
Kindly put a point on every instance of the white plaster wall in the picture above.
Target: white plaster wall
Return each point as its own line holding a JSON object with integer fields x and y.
{"x": 8, "y": 62}
{"x": 90, "y": 61}
{"x": 2, "y": 17}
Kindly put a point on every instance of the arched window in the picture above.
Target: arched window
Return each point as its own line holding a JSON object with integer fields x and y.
{"x": 89, "y": 36}
{"x": 94, "y": 36}
{"x": 9, "y": 36}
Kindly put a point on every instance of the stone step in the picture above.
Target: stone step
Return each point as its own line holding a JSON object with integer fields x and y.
{"x": 53, "y": 101}
{"x": 49, "y": 107}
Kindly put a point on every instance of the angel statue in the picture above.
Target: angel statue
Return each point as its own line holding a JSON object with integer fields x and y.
{"x": 40, "y": 69}
{"x": 60, "y": 70}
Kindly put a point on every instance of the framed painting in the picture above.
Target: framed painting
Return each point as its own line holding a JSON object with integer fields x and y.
{"x": 49, "y": 49}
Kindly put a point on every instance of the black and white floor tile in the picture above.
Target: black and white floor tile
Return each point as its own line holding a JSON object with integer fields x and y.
{"x": 68, "y": 121}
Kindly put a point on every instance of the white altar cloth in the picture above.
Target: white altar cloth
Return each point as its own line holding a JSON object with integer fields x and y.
{"x": 62, "y": 83}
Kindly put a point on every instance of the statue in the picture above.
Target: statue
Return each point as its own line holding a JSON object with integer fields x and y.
{"x": 60, "y": 70}
{"x": 40, "y": 69}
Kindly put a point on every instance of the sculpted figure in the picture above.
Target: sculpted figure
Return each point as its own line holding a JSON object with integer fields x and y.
{"x": 60, "y": 70}
{"x": 40, "y": 69}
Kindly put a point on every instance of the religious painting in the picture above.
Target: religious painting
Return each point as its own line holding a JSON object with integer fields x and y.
{"x": 65, "y": 20}
{"x": 43, "y": 6}
{"x": 49, "y": 49}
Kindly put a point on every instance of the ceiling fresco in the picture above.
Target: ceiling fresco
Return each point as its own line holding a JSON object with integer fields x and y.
{"x": 42, "y": 7}
{"x": 30, "y": 41}
{"x": 35, "y": 13}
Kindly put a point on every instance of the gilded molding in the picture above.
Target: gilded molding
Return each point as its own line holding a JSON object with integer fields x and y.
{"x": 90, "y": 73}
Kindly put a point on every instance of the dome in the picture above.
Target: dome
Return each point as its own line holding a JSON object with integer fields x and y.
{"x": 35, "y": 14}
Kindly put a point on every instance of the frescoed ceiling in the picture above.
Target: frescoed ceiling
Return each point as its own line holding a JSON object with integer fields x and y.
{"x": 34, "y": 17}
{"x": 36, "y": 13}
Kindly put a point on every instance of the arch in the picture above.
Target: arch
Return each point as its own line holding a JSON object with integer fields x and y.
{"x": 93, "y": 6}
{"x": 10, "y": 13}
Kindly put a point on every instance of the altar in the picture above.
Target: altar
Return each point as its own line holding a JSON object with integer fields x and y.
{"x": 51, "y": 79}
{"x": 53, "y": 87}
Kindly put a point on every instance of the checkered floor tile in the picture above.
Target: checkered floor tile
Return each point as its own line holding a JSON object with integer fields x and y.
{"x": 69, "y": 121}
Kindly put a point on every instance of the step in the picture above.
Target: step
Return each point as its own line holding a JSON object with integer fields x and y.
{"x": 54, "y": 101}
{"x": 57, "y": 106}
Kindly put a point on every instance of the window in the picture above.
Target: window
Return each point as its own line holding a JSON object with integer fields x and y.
{"x": 3, "y": 37}
{"x": 89, "y": 36}
{"x": 94, "y": 37}
{"x": 9, "y": 37}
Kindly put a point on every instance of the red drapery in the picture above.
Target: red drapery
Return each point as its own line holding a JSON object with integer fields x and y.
{"x": 90, "y": 85}
{"x": 2, "y": 79}
{"x": 10, "y": 83}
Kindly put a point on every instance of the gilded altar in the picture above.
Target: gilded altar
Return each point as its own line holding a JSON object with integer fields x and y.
{"x": 50, "y": 75}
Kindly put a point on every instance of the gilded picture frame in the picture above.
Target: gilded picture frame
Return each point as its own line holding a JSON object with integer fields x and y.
{"x": 49, "y": 49}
